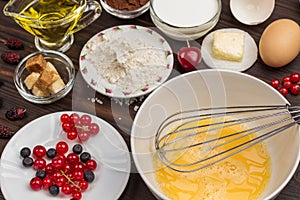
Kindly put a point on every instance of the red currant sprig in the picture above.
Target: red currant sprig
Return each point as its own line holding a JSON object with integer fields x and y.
{"x": 288, "y": 84}
{"x": 80, "y": 127}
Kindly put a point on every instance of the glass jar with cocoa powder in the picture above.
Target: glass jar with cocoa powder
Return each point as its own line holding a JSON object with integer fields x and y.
{"x": 126, "y": 9}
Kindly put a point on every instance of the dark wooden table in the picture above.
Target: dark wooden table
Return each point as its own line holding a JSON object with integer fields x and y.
{"x": 121, "y": 116}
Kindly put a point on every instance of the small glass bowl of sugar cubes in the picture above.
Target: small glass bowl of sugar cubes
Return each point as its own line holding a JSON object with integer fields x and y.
{"x": 44, "y": 77}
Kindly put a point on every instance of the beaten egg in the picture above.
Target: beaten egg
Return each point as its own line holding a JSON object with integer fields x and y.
{"x": 244, "y": 175}
{"x": 280, "y": 43}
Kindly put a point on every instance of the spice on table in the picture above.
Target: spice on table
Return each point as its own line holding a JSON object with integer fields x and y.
{"x": 15, "y": 113}
{"x": 126, "y": 4}
{"x": 5, "y": 132}
{"x": 14, "y": 44}
{"x": 11, "y": 57}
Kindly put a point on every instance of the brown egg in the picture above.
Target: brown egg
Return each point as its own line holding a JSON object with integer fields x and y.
{"x": 280, "y": 43}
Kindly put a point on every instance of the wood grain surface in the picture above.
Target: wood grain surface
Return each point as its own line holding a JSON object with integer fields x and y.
{"x": 83, "y": 98}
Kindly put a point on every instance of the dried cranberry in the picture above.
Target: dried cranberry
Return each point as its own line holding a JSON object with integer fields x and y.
{"x": 5, "y": 132}
{"x": 15, "y": 113}
{"x": 14, "y": 44}
{"x": 11, "y": 57}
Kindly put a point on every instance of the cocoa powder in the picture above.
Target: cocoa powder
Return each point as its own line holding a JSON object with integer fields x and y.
{"x": 126, "y": 4}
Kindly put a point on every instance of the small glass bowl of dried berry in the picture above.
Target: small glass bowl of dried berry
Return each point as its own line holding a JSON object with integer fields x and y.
{"x": 125, "y": 9}
{"x": 44, "y": 77}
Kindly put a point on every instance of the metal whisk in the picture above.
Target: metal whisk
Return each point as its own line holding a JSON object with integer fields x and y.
{"x": 200, "y": 131}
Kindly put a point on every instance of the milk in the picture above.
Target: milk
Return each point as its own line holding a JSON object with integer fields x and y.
{"x": 185, "y": 13}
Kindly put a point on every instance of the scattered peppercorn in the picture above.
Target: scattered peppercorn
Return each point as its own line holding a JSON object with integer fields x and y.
{"x": 14, "y": 44}
{"x": 5, "y": 132}
{"x": 15, "y": 113}
{"x": 11, "y": 57}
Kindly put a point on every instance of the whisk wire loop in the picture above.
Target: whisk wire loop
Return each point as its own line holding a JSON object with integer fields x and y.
{"x": 177, "y": 129}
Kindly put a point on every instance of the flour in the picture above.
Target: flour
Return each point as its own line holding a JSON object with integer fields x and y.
{"x": 130, "y": 65}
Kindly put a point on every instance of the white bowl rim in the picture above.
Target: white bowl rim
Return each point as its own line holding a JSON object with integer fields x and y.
{"x": 132, "y": 139}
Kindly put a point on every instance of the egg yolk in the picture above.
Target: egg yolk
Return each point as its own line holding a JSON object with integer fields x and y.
{"x": 241, "y": 176}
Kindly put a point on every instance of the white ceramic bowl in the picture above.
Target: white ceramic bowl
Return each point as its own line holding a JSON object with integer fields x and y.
{"x": 207, "y": 88}
{"x": 252, "y": 12}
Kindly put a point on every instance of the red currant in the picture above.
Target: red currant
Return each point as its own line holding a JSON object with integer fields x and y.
{"x": 275, "y": 83}
{"x": 91, "y": 164}
{"x": 69, "y": 174}
{"x": 78, "y": 174}
{"x": 85, "y": 119}
{"x": 72, "y": 135}
{"x": 83, "y": 136}
{"x": 295, "y": 89}
{"x": 283, "y": 91}
{"x": 58, "y": 163}
{"x": 66, "y": 189}
{"x": 72, "y": 158}
{"x": 67, "y": 126}
{"x": 83, "y": 185}
{"x": 39, "y": 151}
{"x": 286, "y": 78}
{"x": 36, "y": 183}
{"x": 287, "y": 84}
{"x": 47, "y": 182}
{"x": 68, "y": 167}
{"x": 79, "y": 166}
{"x": 295, "y": 77}
{"x": 56, "y": 175}
{"x": 60, "y": 181}
{"x": 64, "y": 118}
{"x": 77, "y": 195}
{"x": 62, "y": 147}
{"x": 75, "y": 118}
{"x": 39, "y": 163}
{"x": 62, "y": 156}
{"x": 94, "y": 128}
{"x": 49, "y": 169}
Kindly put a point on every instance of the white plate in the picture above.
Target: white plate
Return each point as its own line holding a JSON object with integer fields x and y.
{"x": 131, "y": 33}
{"x": 249, "y": 58}
{"x": 107, "y": 148}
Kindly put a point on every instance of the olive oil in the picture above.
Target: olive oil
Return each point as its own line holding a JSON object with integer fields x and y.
{"x": 50, "y": 20}
{"x": 242, "y": 176}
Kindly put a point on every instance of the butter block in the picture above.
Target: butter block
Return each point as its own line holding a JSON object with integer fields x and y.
{"x": 228, "y": 46}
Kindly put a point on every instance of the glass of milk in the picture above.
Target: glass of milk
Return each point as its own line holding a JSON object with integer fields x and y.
{"x": 188, "y": 19}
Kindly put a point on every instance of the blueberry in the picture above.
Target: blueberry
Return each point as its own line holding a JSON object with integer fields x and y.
{"x": 40, "y": 174}
{"x": 89, "y": 176}
{"x": 77, "y": 148}
{"x": 25, "y": 152}
{"x": 27, "y": 162}
{"x": 51, "y": 153}
{"x": 54, "y": 190}
{"x": 85, "y": 156}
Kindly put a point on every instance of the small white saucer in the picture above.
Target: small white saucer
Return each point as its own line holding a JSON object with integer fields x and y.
{"x": 249, "y": 57}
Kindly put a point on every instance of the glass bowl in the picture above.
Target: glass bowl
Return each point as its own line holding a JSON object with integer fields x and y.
{"x": 64, "y": 67}
{"x": 183, "y": 32}
{"x": 125, "y": 14}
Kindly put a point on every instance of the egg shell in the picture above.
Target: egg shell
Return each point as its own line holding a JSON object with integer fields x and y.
{"x": 252, "y": 12}
{"x": 280, "y": 43}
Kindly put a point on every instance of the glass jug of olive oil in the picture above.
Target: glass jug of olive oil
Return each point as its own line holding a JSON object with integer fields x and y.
{"x": 53, "y": 22}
